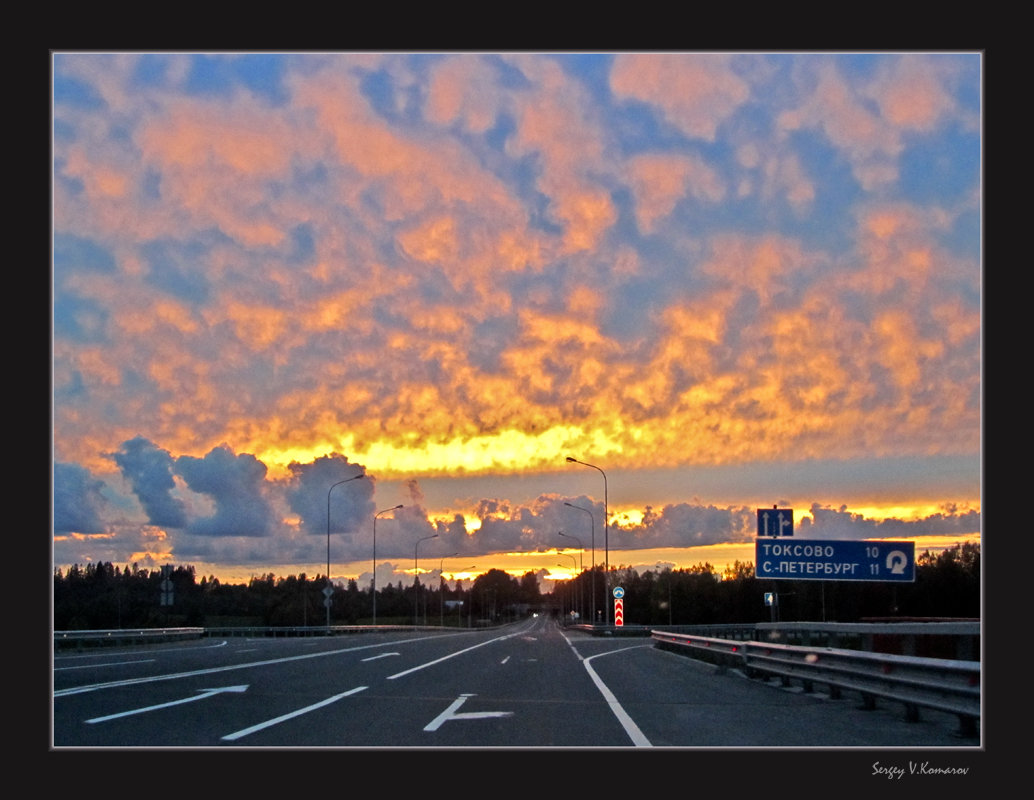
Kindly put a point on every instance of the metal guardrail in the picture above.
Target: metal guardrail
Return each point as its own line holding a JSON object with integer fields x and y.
{"x": 308, "y": 630}
{"x": 945, "y": 685}
{"x": 120, "y": 636}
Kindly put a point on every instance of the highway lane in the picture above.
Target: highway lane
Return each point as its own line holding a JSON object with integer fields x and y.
{"x": 525, "y": 685}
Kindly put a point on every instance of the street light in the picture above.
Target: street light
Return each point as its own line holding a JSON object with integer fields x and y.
{"x": 329, "y": 591}
{"x": 459, "y": 588}
{"x": 416, "y": 570}
{"x": 580, "y": 548}
{"x": 581, "y": 566}
{"x": 592, "y": 530}
{"x": 575, "y": 561}
{"x": 669, "y": 591}
{"x": 606, "y": 540}
{"x": 385, "y": 511}
{"x": 441, "y": 565}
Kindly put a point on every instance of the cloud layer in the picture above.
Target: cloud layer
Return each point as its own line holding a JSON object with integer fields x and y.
{"x": 272, "y": 271}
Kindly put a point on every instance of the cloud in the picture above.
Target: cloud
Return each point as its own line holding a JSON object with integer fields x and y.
{"x": 79, "y": 504}
{"x": 840, "y": 523}
{"x": 659, "y": 182}
{"x": 235, "y": 484}
{"x": 472, "y": 264}
{"x": 313, "y": 491}
{"x": 695, "y": 92}
{"x": 150, "y": 472}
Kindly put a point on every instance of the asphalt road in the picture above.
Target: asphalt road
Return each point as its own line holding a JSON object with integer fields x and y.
{"x": 526, "y": 685}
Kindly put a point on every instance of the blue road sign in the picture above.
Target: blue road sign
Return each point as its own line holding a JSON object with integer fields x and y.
{"x": 775, "y": 522}
{"x": 812, "y": 560}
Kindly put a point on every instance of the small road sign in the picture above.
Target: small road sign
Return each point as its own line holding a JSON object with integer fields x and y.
{"x": 619, "y": 592}
{"x": 775, "y": 521}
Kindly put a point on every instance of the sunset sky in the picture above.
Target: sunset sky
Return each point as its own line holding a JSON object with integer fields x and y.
{"x": 721, "y": 281}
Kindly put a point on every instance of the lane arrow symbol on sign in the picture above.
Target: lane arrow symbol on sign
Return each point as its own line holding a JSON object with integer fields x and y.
{"x": 204, "y": 694}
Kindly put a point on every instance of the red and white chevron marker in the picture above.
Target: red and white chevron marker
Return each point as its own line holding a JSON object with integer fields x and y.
{"x": 619, "y": 612}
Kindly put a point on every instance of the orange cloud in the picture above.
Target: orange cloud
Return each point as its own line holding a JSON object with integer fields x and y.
{"x": 836, "y": 108}
{"x": 911, "y": 93}
{"x": 696, "y": 92}
{"x": 461, "y": 89}
{"x": 659, "y": 182}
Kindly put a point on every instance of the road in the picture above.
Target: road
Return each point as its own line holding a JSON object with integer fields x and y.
{"x": 526, "y": 685}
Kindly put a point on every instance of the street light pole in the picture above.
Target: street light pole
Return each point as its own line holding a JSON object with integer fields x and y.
{"x": 606, "y": 540}
{"x": 592, "y": 530}
{"x": 346, "y": 480}
{"x": 385, "y": 511}
{"x": 416, "y": 571}
{"x": 579, "y": 588}
{"x": 459, "y": 588}
{"x": 668, "y": 576}
{"x": 581, "y": 567}
{"x": 441, "y": 565}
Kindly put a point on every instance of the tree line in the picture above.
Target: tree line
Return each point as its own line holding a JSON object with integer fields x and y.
{"x": 102, "y": 596}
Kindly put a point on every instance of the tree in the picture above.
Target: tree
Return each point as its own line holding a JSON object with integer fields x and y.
{"x": 494, "y": 591}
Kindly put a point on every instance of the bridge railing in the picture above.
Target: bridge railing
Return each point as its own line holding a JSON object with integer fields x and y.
{"x": 946, "y": 685}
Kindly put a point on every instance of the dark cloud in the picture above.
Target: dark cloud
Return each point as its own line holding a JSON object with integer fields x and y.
{"x": 684, "y": 525}
{"x": 312, "y": 486}
{"x": 78, "y": 502}
{"x": 829, "y": 523}
{"x": 149, "y": 470}
{"x": 236, "y": 485}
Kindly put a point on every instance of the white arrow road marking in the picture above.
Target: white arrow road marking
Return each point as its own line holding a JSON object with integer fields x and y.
{"x": 449, "y": 713}
{"x": 382, "y": 655}
{"x": 270, "y": 723}
{"x": 204, "y": 693}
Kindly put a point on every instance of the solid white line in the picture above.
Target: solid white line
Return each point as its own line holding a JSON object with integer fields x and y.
{"x": 636, "y": 735}
{"x": 62, "y": 657}
{"x": 98, "y": 666}
{"x": 209, "y": 671}
{"x": 270, "y": 723}
{"x": 453, "y": 655}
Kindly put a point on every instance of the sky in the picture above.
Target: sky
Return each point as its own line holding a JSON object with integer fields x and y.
{"x": 718, "y": 281}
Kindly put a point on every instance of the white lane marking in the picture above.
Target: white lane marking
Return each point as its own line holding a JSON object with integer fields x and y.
{"x": 452, "y": 655}
{"x": 276, "y": 721}
{"x": 211, "y": 670}
{"x": 204, "y": 694}
{"x": 505, "y": 660}
{"x": 382, "y": 655}
{"x": 450, "y": 714}
{"x": 636, "y": 735}
{"x": 98, "y": 666}
{"x": 136, "y": 653}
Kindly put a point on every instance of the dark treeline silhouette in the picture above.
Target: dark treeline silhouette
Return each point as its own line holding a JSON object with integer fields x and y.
{"x": 101, "y": 597}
